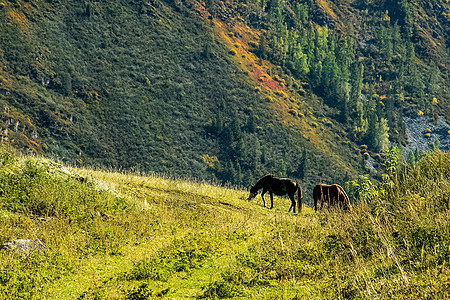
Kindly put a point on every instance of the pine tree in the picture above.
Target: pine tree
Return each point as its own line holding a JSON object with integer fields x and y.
{"x": 330, "y": 74}
{"x": 299, "y": 61}
{"x": 382, "y": 138}
{"x": 302, "y": 13}
{"x": 302, "y": 166}
{"x": 343, "y": 98}
{"x": 411, "y": 158}
{"x": 371, "y": 135}
{"x": 357, "y": 108}
{"x": 434, "y": 80}
{"x": 283, "y": 170}
{"x": 262, "y": 47}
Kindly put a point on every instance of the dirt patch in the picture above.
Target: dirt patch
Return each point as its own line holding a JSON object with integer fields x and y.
{"x": 265, "y": 80}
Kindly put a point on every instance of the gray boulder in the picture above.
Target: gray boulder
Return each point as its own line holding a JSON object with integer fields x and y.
{"x": 24, "y": 245}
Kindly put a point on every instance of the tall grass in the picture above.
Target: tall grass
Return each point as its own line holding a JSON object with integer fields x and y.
{"x": 123, "y": 236}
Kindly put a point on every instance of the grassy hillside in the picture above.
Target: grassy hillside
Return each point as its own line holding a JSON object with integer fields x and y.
{"x": 123, "y": 236}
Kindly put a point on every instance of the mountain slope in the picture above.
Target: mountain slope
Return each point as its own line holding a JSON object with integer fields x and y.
{"x": 217, "y": 90}
{"x": 131, "y": 86}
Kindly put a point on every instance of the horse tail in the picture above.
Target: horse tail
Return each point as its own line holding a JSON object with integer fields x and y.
{"x": 299, "y": 197}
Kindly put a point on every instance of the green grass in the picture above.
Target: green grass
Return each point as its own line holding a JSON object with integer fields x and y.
{"x": 127, "y": 236}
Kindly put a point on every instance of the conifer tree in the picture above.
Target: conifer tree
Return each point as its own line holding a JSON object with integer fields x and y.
{"x": 302, "y": 166}
{"x": 302, "y": 13}
{"x": 357, "y": 108}
{"x": 283, "y": 170}
{"x": 411, "y": 158}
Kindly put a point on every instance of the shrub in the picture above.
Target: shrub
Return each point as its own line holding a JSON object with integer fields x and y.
{"x": 38, "y": 187}
{"x": 221, "y": 289}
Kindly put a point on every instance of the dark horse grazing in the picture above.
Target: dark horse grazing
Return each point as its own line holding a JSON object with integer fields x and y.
{"x": 280, "y": 187}
{"x": 332, "y": 194}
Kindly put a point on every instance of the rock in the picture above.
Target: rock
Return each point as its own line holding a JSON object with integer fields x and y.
{"x": 422, "y": 132}
{"x": 24, "y": 245}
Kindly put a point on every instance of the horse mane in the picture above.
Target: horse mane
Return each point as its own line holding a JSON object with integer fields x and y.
{"x": 260, "y": 183}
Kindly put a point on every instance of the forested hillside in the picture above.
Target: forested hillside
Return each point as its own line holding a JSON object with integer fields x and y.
{"x": 226, "y": 90}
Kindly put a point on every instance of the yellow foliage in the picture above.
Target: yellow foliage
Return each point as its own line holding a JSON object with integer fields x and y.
{"x": 435, "y": 100}
{"x": 324, "y": 5}
{"x": 233, "y": 52}
{"x": 282, "y": 93}
{"x": 211, "y": 161}
{"x": 420, "y": 113}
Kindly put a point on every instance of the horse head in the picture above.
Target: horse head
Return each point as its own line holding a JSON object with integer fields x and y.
{"x": 252, "y": 195}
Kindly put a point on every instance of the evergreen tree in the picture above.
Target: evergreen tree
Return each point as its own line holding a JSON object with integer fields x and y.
{"x": 263, "y": 47}
{"x": 251, "y": 122}
{"x": 371, "y": 135}
{"x": 382, "y": 137}
{"x": 330, "y": 74}
{"x": 417, "y": 154}
{"x": 248, "y": 178}
{"x": 434, "y": 80}
{"x": 218, "y": 123}
{"x": 302, "y": 166}
{"x": 256, "y": 155}
{"x": 357, "y": 108}
{"x": 301, "y": 13}
{"x": 411, "y": 158}
{"x": 237, "y": 180}
{"x": 282, "y": 169}
{"x": 343, "y": 98}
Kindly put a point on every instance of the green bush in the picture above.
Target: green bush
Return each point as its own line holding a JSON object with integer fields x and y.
{"x": 36, "y": 187}
{"x": 221, "y": 290}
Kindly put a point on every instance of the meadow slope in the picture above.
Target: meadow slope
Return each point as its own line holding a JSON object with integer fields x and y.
{"x": 113, "y": 235}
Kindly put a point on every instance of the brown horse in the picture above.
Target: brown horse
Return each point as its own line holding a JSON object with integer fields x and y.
{"x": 280, "y": 187}
{"x": 332, "y": 195}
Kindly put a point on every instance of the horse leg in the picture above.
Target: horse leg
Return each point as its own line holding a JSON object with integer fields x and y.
{"x": 315, "y": 196}
{"x": 262, "y": 196}
{"x": 271, "y": 199}
{"x": 292, "y": 202}
{"x": 322, "y": 200}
